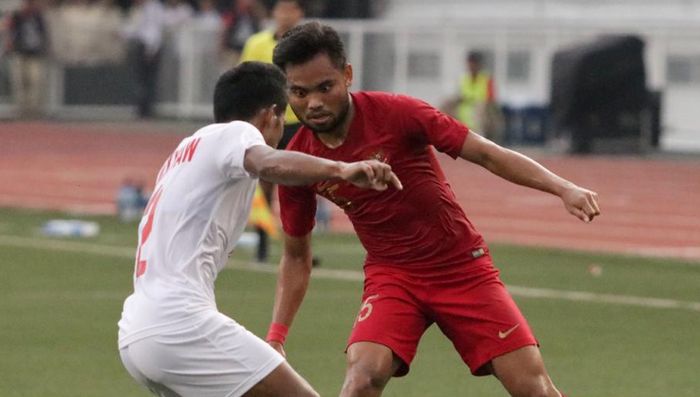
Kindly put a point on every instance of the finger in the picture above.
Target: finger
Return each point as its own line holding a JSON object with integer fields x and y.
{"x": 591, "y": 206}
{"x": 577, "y": 212}
{"x": 379, "y": 172}
{"x": 593, "y": 199}
{"x": 369, "y": 171}
{"x": 384, "y": 173}
{"x": 380, "y": 186}
{"x": 394, "y": 180}
{"x": 589, "y": 210}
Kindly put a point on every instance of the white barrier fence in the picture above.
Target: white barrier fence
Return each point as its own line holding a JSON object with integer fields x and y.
{"x": 420, "y": 59}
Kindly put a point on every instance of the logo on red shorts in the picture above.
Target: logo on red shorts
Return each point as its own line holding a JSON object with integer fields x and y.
{"x": 504, "y": 334}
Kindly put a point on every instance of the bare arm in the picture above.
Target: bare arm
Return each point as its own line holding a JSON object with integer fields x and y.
{"x": 520, "y": 169}
{"x": 292, "y": 281}
{"x": 294, "y": 168}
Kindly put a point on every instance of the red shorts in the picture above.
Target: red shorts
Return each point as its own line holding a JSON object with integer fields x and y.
{"x": 468, "y": 302}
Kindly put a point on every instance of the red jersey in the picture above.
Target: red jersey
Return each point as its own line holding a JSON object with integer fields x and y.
{"x": 421, "y": 225}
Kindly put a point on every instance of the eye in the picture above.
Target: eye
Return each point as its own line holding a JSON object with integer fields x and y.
{"x": 325, "y": 87}
{"x": 298, "y": 92}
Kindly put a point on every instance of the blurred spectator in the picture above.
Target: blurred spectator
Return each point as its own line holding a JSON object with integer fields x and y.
{"x": 286, "y": 14}
{"x": 144, "y": 30}
{"x": 475, "y": 105}
{"x": 208, "y": 17}
{"x": 27, "y": 45}
{"x": 176, "y": 14}
{"x": 206, "y": 27}
{"x": 83, "y": 32}
{"x": 241, "y": 20}
{"x": 131, "y": 200}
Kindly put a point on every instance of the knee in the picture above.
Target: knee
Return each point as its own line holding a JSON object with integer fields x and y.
{"x": 359, "y": 381}
{"x": 309, "y": 393}
{"x": 534, "y": 386}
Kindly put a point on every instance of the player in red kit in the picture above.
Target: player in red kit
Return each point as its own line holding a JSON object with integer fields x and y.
{"x": 426, "y": 263}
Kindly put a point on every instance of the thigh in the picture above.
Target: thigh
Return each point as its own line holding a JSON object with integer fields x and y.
{"x": 283, "y": 381}
{"x": 391, "y": 315}
{"x": 476, "y": 312}
{"x": 522, "y": 372}
{"x": 217, "y": 357}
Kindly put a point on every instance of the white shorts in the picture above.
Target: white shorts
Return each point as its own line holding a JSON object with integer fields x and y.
{"x": 215, "y": 358}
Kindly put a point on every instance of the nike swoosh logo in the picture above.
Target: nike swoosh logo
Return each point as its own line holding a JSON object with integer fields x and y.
{"x": 504, "y": 334}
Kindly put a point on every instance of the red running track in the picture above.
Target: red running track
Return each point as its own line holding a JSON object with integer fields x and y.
{"x": 651, "y": 206}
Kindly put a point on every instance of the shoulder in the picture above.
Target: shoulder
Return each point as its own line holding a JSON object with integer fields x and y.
{"x": 260, "y": 38}
{"x": 387, "y": 104}
{"x": 374, "y": 101}
{"x": 385, "y": 98}
{"x": 233, "y": 132}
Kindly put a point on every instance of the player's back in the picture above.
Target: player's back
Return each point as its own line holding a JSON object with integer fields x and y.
{"x": 199, "y": 208}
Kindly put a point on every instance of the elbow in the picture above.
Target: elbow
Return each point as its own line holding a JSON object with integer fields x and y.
{"x": 271, "y": 168}
{"x": 269, "y": 171}
{"x": 484, "y": 159}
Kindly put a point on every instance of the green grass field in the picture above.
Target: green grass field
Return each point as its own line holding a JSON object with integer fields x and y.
{"x": 60, "y": 301}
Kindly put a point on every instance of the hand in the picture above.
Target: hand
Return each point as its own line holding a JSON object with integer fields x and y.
{"x": 582, "y": 203}
{"x": 278, "y": 346}
{"x": 370, "y": 174}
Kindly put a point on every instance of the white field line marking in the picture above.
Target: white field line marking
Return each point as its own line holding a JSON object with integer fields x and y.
{"x": 353, "y": 275}
{"x": 66, "y": 246}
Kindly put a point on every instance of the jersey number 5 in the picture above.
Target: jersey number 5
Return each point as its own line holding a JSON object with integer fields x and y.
{"x": 365, "y": 309}
{"x": 149, "y": 213}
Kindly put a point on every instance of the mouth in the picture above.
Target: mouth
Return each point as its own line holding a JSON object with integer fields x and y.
{"x": 319, "y": 118}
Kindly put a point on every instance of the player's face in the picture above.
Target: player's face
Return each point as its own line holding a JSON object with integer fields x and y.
{"x": 318, "y": 93}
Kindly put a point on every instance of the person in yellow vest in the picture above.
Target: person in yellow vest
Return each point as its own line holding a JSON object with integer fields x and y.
{"x": 259, "y": 47}
{"x": 476, "y": 88}
{"x": 476, "y": 106}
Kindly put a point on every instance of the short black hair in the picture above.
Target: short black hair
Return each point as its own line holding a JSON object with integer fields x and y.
{"x": 249, "y": 87}
{"x": 300, "y": 3}
{"x": 475, "y": 56}
{"x": 303, "y": 42}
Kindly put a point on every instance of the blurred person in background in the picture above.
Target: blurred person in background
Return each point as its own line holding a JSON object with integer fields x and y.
{"x": 176, "y": 14}
{"x": 208, "y": 16}
{"x": 426, "y": 263}
{"x": 27, "y": 44}
{"x": 144, "y": 30}
{"x": 242, "y": 20}
{"x": 84, "y": 31}
{"x": 475, "y": 105}
{"x": 259, "y": 47}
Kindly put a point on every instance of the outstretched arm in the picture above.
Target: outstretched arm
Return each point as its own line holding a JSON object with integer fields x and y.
{"x": 292, "y": 282}
{"x": 294, "y": 168}
{"x": 522, "y": 170}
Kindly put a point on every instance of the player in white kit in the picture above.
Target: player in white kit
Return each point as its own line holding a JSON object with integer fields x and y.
{"x": 172, "y": 338}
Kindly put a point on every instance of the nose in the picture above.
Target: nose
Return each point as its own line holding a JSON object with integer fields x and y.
{"x": 315, "y": 102}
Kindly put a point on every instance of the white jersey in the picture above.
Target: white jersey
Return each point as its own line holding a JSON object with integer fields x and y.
{"x": 197, "y": 212}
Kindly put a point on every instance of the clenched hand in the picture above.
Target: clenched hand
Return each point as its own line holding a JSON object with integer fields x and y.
{"x": 370, "y": 174}
{"x": 582, "y": 203}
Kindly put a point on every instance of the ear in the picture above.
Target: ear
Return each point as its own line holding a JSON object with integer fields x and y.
{"x": 347, "y": 75}
{"x": 268, "y": 116}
